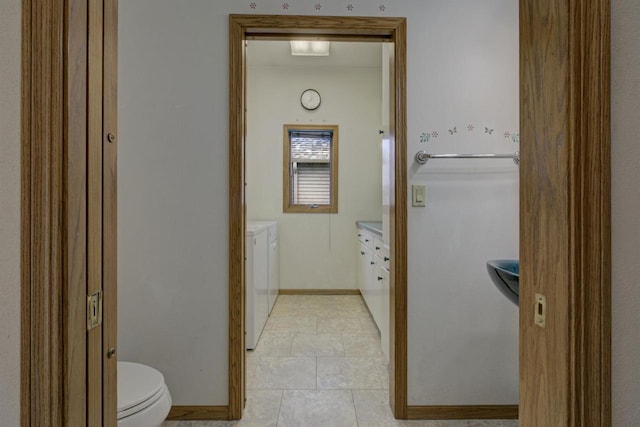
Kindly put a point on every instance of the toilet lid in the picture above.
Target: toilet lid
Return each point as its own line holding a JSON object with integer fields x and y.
{"x": 137, "y": 384}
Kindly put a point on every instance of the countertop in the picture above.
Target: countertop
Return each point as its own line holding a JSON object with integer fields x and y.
{"x": 373, "y": 226}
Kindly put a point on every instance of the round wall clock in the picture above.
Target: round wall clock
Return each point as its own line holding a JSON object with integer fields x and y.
{"x": 310, "y": 99}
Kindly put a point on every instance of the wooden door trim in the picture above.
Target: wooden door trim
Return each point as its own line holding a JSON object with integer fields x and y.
{"x": 463, "y": 412}
{"x": 110, "y": 213}
{"x": 194, "y": 413}
{"x": 243, "y": 27}
{"x": 95, "y": 203}
{"x": 57, "y": 87}
{"x": 565, "y": 235}
{"x": 53, "y": 213}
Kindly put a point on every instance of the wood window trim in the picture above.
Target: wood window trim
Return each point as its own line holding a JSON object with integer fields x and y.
{"x": 287, "y": 207}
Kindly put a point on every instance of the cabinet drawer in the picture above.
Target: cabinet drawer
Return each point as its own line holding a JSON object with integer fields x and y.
{"x": 365, "y": 273}
{"x": 365, "y": 238}
{"x": 378, "y": 246}
{"x": 382, "y": 251}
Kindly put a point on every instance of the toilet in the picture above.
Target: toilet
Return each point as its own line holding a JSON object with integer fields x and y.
{"x": 143, "y": 397}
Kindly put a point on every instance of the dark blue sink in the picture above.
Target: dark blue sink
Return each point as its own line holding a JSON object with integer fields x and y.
{"x": 505, "y": 274}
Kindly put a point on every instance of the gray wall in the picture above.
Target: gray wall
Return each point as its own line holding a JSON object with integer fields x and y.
{"x": 464, "y": 73}
{"x": 9, "y": 213}
{"x": 172, "y": 191}
{"x": 625, "y": 147}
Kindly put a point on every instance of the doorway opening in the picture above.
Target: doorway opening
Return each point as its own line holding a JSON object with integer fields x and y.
{"x": 314, "y": 169}
{"x": 385, "y": 30}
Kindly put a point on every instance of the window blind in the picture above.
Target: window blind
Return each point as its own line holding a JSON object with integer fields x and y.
{"x": 312, "y": 183}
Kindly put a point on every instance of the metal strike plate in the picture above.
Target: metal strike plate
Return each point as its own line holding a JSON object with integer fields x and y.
{"x": 94, "y": 310}
{"x": 541, "y": 311}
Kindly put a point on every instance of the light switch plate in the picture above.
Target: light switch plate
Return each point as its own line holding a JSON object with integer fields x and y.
{"x": 419, "y": 196}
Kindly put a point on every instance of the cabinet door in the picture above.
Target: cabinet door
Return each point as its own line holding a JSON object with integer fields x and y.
{"x": 383, "y": 324}
{"x": 365, "y": 238}
{"x": 365, "y": 273}
{"x": 374, "y": 290}
{"x": 378, "y": 296}
{"x": 388, "y": 89}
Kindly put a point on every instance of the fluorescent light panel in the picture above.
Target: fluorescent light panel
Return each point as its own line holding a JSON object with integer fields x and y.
{"x": 309, "y": 48}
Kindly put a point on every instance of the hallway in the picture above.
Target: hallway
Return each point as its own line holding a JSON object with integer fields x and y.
{"x": 318, "y": 364}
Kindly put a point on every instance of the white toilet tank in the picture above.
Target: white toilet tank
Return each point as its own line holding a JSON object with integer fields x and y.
{"x": 143, "y": 397}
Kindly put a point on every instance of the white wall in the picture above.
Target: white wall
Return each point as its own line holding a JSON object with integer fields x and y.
{"x": 463, "y": 334}
{"x": 173, "y": 173}
{"x": 172, "y": 210}
{"x": 175, "y": 108}
{"x": 625, "y": 151}
{"x": 10, "y": 212}
{"x": 317, "y": 251}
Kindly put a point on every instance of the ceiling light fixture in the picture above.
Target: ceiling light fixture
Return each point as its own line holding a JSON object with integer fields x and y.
{"x": 309, "y": 48}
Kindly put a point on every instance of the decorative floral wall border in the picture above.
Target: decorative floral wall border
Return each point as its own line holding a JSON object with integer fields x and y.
{"x": 349, "y": 7}
{"x": 471, "y": 128}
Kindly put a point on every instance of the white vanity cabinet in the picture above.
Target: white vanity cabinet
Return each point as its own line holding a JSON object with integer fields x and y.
{"x": 373, "y": 281}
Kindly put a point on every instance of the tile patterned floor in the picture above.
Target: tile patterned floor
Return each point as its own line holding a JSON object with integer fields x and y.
{"x": 318, "y": 364}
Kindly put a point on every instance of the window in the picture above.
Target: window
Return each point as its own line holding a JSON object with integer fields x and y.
{"x": 310, "y": 169}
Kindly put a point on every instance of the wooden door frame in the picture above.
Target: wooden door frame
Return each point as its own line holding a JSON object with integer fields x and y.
{"x": 68, "y": 211}
{"x": 53, "y": 186}
{"x": 565, "y": 214}
{"x": 110, "y": 214}
{"x": 285, "y": 27}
